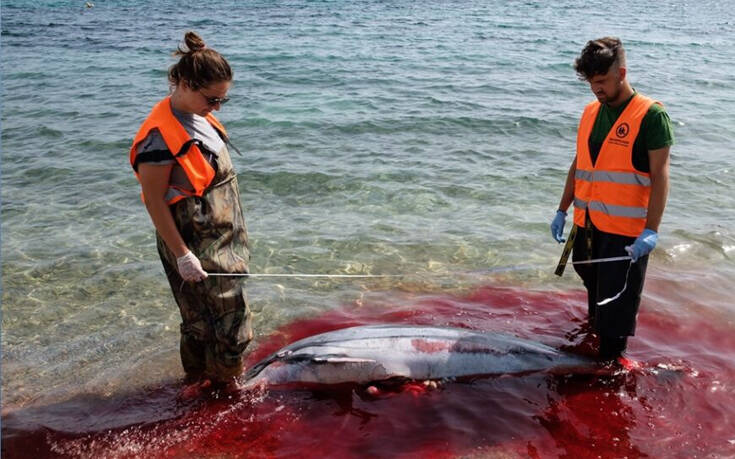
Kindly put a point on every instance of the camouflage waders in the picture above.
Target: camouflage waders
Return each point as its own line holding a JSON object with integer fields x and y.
{"x": 216, "y": 320}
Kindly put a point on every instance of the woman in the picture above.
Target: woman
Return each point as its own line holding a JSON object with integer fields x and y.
{"x": 190, "y": 190}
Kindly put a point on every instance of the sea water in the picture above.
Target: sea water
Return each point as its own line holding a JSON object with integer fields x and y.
{"x": 427, "y": 139}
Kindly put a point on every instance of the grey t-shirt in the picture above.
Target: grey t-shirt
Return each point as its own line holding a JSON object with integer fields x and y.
{"x": 153, "y": 150}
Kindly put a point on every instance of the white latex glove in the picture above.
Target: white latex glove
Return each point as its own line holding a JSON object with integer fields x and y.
{"x": 190, "y": 268}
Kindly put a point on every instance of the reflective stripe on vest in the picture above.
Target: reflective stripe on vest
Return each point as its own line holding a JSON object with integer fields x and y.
{"x": 174, "y": 194}
{"x": 609, "y": 209}
{"x": 612, "y": 191}
{"x": 624, "y": 178}
{"x": 184, "y": 149}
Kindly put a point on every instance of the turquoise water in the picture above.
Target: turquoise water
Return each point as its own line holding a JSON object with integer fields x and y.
{"x": 428, "y": 139}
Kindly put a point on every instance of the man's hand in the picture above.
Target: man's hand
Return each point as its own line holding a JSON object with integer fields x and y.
{"x": 643, "y": 245}
{"x": 557, "y": 226}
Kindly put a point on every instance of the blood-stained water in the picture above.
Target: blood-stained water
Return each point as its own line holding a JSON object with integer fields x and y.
{"x": 680, "y": 403}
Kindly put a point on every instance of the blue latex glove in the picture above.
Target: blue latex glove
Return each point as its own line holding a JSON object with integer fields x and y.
{"x": 557, "y": 226}
{"x": 643, "y": 245}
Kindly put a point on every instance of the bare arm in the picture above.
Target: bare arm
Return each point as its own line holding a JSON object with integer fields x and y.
{"x": 659, "y": 162}
{"x": 567, "y": 196}
{"x": 154, "y": 180}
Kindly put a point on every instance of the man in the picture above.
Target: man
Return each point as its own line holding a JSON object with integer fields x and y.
{"x": 619, "y": 183}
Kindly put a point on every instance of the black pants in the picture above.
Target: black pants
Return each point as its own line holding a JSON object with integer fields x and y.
{"x": 616, "y": 320}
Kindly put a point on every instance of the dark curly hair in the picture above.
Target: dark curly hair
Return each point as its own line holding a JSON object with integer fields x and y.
{"x": 598, "y": 56}
{"x": 199, "y": 66}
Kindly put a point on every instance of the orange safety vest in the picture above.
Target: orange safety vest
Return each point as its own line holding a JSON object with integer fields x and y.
{"x": 612, "y": 191}
{"x": 184, "y": 149}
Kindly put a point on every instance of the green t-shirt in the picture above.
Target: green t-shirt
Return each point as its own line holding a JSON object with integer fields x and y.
{"x": 656, "y": 132}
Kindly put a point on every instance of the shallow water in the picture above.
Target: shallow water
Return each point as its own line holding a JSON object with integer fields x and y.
{"x": 678, "y": 404}
{"x": 378, "y": 138}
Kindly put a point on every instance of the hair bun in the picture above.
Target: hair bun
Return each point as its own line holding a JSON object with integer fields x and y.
{"x": 193, "y": 43}
{"x": 198, "y": 65}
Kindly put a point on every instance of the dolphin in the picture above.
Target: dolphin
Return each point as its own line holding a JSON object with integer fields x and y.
{"x": 381, "y": 353}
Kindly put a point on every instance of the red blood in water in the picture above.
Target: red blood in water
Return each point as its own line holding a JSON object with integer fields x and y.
{"x": 681, "y": 403}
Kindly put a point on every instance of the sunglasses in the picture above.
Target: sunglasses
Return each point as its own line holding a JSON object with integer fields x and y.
{"x": 212, "y": 101}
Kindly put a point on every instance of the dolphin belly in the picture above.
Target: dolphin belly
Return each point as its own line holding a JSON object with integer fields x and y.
{"x": 375, "y": 353}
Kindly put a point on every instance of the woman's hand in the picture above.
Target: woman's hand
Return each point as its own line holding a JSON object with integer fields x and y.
{"x": 190, "y": 268}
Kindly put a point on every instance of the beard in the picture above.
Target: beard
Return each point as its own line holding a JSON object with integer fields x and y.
{"x": 608, "y": 97}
